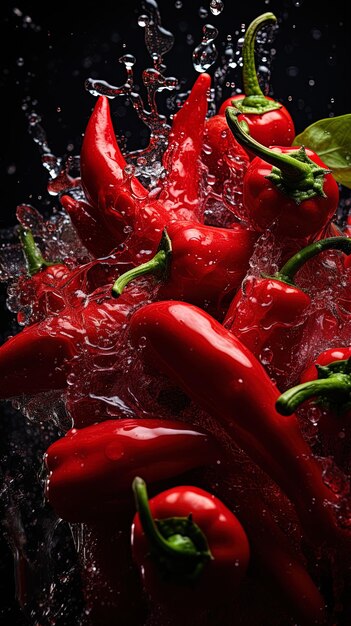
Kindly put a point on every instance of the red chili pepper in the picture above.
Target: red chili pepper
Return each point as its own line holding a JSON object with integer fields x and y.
{"x": 327, "y": 385}
{"x": 42, "y": 291}
{"x": 121, "y": 201}
{"x": 222, "y": 154}
{"x": 191, "y": 550}
{"x": 182, "y": 184}
{"x": 201, "y": 264}
{"x": 216, "y": 370}
{"x": 267, "y": 120}
{"x": 92, "y": 231}
{"x": 274, "y": 538}
{"x": 287, "y": 187}
{"x": 269, "y": 314}
{"x": 57, "y": 339}
{"x": 91, "y": 469}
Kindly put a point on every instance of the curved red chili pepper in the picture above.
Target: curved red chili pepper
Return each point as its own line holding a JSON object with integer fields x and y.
{"x": 188, "y": 546}
{"x": 91, "y": 469}
{"x": 57, "y": 339}
{"x": 326, "y": 384}
{"x": 267, "y": 120}
{"x": 182, "y": 184}
{"x": 215, "y": 369}
{"x": 270, "y": 314}
{"x": 199, "y": 264}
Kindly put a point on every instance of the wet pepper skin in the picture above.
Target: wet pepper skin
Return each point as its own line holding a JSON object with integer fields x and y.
{"x": 91, "y": 470}
{"x": 222, "y": 375}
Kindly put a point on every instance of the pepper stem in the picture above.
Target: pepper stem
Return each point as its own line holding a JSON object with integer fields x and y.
{"x": 289, "y": 270}
{"x": 293, "y": 171}
{"x": 34, "y": 259}
{"x": 177, "y": 544}
{"x": 250, "y": 80}
{"x": 157, "y": 265}
{"x": 334, "y": 387}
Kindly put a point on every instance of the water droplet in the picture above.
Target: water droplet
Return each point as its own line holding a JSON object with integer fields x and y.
{"x": 20, "y": 61}
{"x": 178, "y": 4}
{"x": 143, "y": 20}
{"x": 216, "y": 7}
{"x": 203, "y": 13}
{"x": 206, "y": 53}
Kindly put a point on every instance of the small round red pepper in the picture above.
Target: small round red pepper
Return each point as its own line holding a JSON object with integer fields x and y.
{"x": 289, "y": 188}
{"x": 191, "y": 550}
{"x": 267, "y": 120}
{"x": 269, "y": 314}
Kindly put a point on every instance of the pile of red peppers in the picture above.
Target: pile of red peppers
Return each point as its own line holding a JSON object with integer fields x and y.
{"x": 207, "y": 499}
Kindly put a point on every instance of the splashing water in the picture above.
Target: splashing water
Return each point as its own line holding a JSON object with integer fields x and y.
{"x": 205, "y": 54}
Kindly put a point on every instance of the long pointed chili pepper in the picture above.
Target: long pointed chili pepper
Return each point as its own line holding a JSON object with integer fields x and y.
{"x": 182, "y": 157}
{"x": 57, "y": 339}
{"x": 201, "y": 264}
{"x": 269, "y": 314}
{"x": 268, "y": 121}
{"x": 188, "y": 545}
{"x": 326, "y": 385}
{"x": 91, "y": 469}
{"x": 288, "y": 187}
{"x": 217, "y": 371}
{"x": 121, "y": 201}
{"x": 42, "y": 290}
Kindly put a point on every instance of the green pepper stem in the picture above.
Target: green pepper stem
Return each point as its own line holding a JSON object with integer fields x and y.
{"x": 330, "y": 387}
{"x": 157, "y": 541}
{"x": 250, "y": 80}
{"x": 292, "y": 170}
{"x": 292, "y": 266}
{"x": 157, "y": 265}
{"x": 34, "y": 259}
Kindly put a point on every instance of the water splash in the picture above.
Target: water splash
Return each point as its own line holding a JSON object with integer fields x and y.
{"x": 205, "y": 54}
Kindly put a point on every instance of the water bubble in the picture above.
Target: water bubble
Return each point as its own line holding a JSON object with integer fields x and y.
{"x": 178, "y": 4}
{"x": 203, "y": 13}
{"x": 143, "y": 20}
{"x": 20, "y": 61}
{"x": 216, "y": 7}
{"x": 206, "y": 53}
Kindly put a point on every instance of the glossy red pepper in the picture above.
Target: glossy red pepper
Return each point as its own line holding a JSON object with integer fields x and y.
{"x": 192, "y": 552}
{"x": 223, "y": 155}
{"x": 267, "y": 120}
{"x": 270, "y": 314}
{"x": 274, "y": 538}
{"x": 216, "y": 370}
{"x": 182, "y": 183}
{"x": 57, "y": 339}
{"x": 122, "y": 203}
{"x": 201, "y": 264}
{"x": 91, "y": 469}
{"x": 42, "y": 290}
{"x": 286, "y": 188}
{"x": 326, "y": 386}
{"x": 92, "y": 231}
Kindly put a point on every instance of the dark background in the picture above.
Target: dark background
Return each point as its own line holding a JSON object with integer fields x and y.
{"x": 48, "y": 51}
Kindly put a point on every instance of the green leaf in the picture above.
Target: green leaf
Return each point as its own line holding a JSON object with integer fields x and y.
{"x": 330, "y": 138}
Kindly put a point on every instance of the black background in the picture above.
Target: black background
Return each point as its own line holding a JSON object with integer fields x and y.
{"x": 66, "y": 42}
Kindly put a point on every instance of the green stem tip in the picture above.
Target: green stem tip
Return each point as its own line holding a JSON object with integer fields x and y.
{"x": 177, "y": 543}
{"x": 333, "y": 384}
{"x": 34, "y": 259}
{"x": 293, "y": 265}
{"x": 159, "y": 264}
